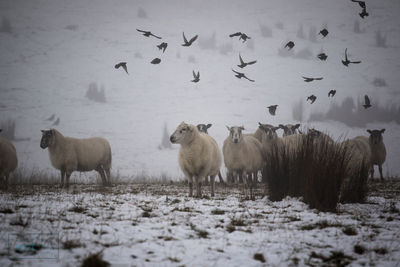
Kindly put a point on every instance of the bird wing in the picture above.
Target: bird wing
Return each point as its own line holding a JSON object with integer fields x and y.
{"x": 251, "y": 62}
{"x": 198, "y": 75}
{"x": 307, "y": 78}
{"x": 241, "y": 60}
{"x": 158, "y": 37}
{"x": 184, "y": 38}
{"x": 194, "y": 74}
{"x": 141, "y": 31}
{"x": 235, "y": 34}
{"x": 193, "y": 39}
{"x": 345, "y": 55}
{"x": 244, "y": 76}
{"x": 318, "y": 79}
{"x": 125, "y": 68}
{"x": 355, "y": 62}
{"x": 236, "y": 72}
{"x": 367, "y": 101}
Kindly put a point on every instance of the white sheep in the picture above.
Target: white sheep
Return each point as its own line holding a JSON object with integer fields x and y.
{"x": 258, "y": 134}
{"x": 378, "y": 150}
{"x": 289, "y": 129}
{"x": 199, "y": 156}
{"x": 8, "y": 160}
{"x": 69, "y": 154}
{"x": 358, "y": 152}
{"x": 242, "y": 153}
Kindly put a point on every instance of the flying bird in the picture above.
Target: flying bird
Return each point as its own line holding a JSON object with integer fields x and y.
{"x": 361, "y": 3}
{"x": 51, "y": 118}
{"x": 186, "y": 43}
{"x": 331, "y": 93}
{"x": 162, "y": 46}
{"x": 56, "y": 122}
{"x": 308, "y": 79}
{"x": 241, "y": 75}
{"x": 323, "y": 32}
{"x": 242, "y": 36}
{"x": 367, "y": 103}
{"x": 272, "y": 109}
{"x": 156, "y": 61}
{"x": 244, "y": 64}
{"x": 290, "y": 44}
{"x": 346, "y": 61}
{"x": 148, "y": 34}
{"x": 322, "y": 56}
{"x": 196, "y": 77}
{"x": 312, "y": 98}
{"x": 123, "y": 65}
{"x": 364, "y": 13}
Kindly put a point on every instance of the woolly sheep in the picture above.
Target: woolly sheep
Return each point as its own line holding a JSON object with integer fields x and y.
{"x": 289, "y": 129}
{"x": 270, "y": 139}
{"x": 378, "y": 150}
{"x": 242, "y": 153}
{"x": 359, "y": 151}
{"x": 260, "y": 131}
{"x": 199, "y": 156}
{"x": 203, "y": 129}
{"x": 69, "y": 154}
{"x": 8, "y": 160}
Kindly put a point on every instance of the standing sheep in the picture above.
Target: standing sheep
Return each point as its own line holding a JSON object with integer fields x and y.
{"x": 8, "y": 160}
{"x": 199, "y": 156}
{"x": 289, "y": 129}
{"x": 358, "y": 152}
{"x": 378, "y": 150}
{"x": 242, "y": 153}
{"x": 69, "y": 154}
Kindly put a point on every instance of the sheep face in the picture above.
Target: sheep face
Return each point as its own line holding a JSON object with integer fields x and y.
{"x": 289, "y": 129}
{"x": 376, "y": 136}
{"x": 182, "y": 134}
{"x": 47, "y": 139}
{"x": 203, "y": 127}
{"x": 270, "y": 131}
{"x": 235, "y": 133}
{"x": 314, "y": 134}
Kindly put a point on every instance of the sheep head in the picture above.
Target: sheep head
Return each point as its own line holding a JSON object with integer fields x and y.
{"x": 289, "y": 129}
{"x": 47, "y": 138}
{"x": 235, "y": 133}
{"x": 270, "y": 131}
{"x": 183, "y": 133}
{"x": 203, "y": 127}
{"x": 375, "y": 136}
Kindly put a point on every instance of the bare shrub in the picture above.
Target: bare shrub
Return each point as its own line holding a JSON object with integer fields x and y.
{"x": 141, "y": 13}
{"x": 266, "y": 31}
{"x": 380, "y": 39}
{"x": 95, "y": 94}
{"x": 354, "y": 188}
{"x": 8, "y": 129}
{"x": 5, "y": 26}
{"x": 208, "y": 43}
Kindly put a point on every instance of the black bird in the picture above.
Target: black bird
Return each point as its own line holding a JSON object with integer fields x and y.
{"x": 162, "y": 46}
{"x": 56, "y": 122}
{"x": 364, "y": 13}
{"x": 290, "y": 44}
{"x": 156, "y": 61}
{"x": 331, "y": 93}
{"x": 242, "y": 36}
{"x": 51, "y": 118}
{"x": 324, "y": 32}
{"x": 196, "y": 77}
{"x": 244, "y": 64}
{"x": 123, "y": 65}
{"x": 367, "y": 103}
{"x": 322, "y": 56}
{"x": 241, "y": 75}
{"x": 346, "y": 61}
{"x": 361, "y": 3}
{"x": 312, "y": 98}
{"x": 186, "y": 43}
{"x": 148, "y": 34}
{"x": 308, "y": 79}
{"x": 272, "y": 109}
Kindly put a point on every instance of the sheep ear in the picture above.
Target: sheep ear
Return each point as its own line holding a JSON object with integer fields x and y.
{"x": 281, "y": 126}
{"x": 227, "y": 127}
{"x": 297, "y": 126}
{"x": 382, "y": 131}
{"x": 242, "y": 128}
{"x": 43, "y": 131}
{"x": 369, "y": 131}
{"x": 276, "y": 128}
{"x": 209, "y": 125}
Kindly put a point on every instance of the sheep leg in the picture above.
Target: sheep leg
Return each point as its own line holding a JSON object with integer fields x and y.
{"x": 198, "y": 188}
{"x": 62, "y": 178}
{"x": 6, "y": 182}
{"x": 380, "y": 171}
{"x": 107, "y": 171}
{"x": 212, "y": 184}
{"x": 244, "y": 178}
{"x": 372, "y": 172}
{"x": 221, "y": 181}
{"x": 68, "y": 174}
{"x": 102, "y": 175}
{"x": 190, "y": 180}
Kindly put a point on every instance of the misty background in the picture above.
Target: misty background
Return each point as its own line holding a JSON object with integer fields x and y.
{"x": 57, "y": 57}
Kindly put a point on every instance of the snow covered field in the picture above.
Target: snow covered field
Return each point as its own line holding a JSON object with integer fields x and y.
{"x": 158, "y": 225}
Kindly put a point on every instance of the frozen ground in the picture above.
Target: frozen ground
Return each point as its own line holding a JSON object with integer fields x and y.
{"x": 158, "y": 225}
{"x": 57, "y": 48}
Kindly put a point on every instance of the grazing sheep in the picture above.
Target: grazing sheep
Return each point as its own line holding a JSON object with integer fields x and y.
{"x": 203, "y": 129}
{"x": 199, "y": 156}
{"x": 242, "y": 153}
{"x": 289, "y": 129}
{"x": 378, "y": 150}
{"x": 69, "y": 154}
{"x": 8, "y": 160}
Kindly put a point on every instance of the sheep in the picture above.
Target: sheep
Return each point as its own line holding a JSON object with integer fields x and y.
{"x": 358, "y": 152}
{"x": 203, "y": 129}
{"x": 242, "y": 153}
{"x": 378, "y": 150}
{"x": 270, "y": 139}
{"x": 8, "y": 160}
{"x": 260, "y": 132}
{"x": 199, "y": 156}
{"x": 289, "y": 129}
{"x": 69, "y": 154}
